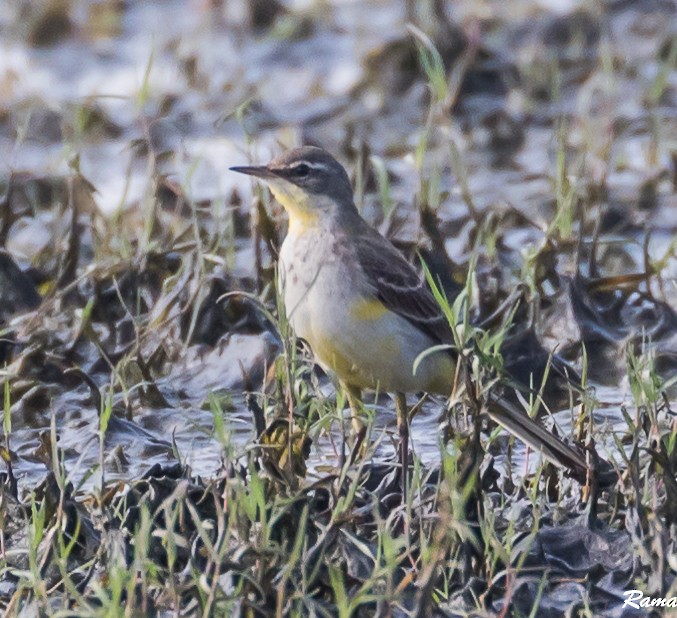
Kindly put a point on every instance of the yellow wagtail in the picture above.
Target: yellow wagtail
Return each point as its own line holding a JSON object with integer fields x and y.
{"x": 360, "y": 305}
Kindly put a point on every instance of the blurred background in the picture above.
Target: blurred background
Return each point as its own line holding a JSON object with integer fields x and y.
{"x": 183, "y": 89}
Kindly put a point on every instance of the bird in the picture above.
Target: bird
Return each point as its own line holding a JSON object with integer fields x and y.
{"x": 362, "y": 307}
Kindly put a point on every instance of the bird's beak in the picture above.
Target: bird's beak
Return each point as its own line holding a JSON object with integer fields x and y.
{"x": 260, "y": 171}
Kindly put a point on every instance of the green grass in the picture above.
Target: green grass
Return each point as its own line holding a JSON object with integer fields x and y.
{"x": 275, "y": 532}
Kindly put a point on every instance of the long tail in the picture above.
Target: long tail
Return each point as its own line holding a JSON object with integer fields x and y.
{"x": 522, "y": 426}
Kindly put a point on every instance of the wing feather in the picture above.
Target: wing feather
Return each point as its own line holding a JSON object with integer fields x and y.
{"x": 398, "y": 286}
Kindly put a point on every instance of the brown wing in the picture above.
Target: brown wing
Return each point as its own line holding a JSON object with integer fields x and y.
{"x": 398, "y": 286}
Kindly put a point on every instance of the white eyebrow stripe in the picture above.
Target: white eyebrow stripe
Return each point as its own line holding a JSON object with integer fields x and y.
{"x": 315, "y": 165}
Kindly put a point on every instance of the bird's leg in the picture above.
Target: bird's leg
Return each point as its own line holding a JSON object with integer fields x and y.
{"x": 403, "y": 431}
{"x": 354, "y": 397}
{"x": 359, "y": 428}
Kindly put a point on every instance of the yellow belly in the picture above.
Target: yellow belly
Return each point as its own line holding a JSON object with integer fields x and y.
{"x": 350, "y": 331}
{"x": 378, "y": 351}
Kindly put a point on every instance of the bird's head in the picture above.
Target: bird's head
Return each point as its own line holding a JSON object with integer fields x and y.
{"x": 309, "y": 183}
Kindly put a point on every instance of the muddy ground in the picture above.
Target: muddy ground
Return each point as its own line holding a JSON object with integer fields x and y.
{"x": 169, "y": 449}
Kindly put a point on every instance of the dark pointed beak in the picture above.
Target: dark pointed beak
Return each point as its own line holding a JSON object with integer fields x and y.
{"x": 260, "y": 171}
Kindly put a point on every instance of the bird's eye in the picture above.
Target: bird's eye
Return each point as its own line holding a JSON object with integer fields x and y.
{"x": 301, "y": 170}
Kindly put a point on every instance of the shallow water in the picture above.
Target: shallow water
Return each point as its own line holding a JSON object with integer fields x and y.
{"x": 137, "y": 277}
